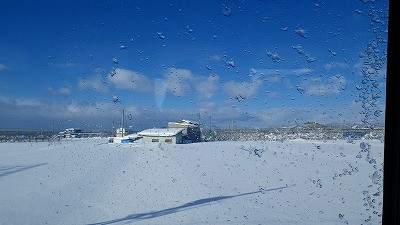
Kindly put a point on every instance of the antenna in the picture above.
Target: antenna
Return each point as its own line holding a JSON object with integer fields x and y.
{"x": 123, "y": 123}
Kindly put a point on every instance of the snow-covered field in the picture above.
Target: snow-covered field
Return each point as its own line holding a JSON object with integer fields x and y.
{"x": 86, "y": 181}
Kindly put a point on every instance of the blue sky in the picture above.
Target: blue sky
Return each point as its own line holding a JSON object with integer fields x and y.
{"x": 263, "y": 63}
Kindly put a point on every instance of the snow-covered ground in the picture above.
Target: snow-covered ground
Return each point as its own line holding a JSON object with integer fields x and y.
{"x": 86, "y": 181}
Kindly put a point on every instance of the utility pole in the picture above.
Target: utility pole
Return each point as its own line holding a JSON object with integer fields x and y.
{"x": 199, "y": 121}
{"x": 123, "y": 123}
{"x": 210, "y": 124}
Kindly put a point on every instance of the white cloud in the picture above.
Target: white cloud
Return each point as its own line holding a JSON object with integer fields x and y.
{"x": 333, "y": 65}
{"x": 181, "y": 81}
{"x": 65, "y": 91}
{"x": 3, "y": 67}
{"x": 35, "y": 113}
{"x": 65, "y": 65}
{"x": 242, "y": 89}
{"x": 207, "y": 88}
{"x": 272, "y": 94}
{"x": 19, "y": 102}
{"x": 319, "y": 86}
{"x": 130, "y": 80}
{"x": 215, "y": 58}
{"x": 266, "y": 72}
{"x": 222, "y": 115}
{"x": 273, "y": 78}
{"x": 178, "y": 81}
{"x": 95, "y": 83}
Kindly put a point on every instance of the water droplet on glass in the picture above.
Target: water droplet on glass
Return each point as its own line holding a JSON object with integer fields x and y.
{"x": 189, "y": 30}
{"x": 258, "y": 152}
{"x": 274, "y": 56}
{"x": 299, "y": 49}
{"x": 160, "y": 35}
{"x": 284, "y": 28}
{"x": 310, "y": 59}
{"x": 226, "y": 11}
{"x": 115, "y": 99}
{"x": 113, "y": 72}
{"x": 231, "y": 63}
{"x": 341, "y": 216}
{"x": 301, "y": 32}
{"x": 365, "y": 146}
{"x": 301, "y": 90}
{"x": 332, "y": 53}
{"x": 316, "y": 5}
{"x": 378, "y": 113}
{"x": 264, "y": 20}
{"x": 263, "y": 190}
{"x": 208, "y": 67}
{"x": 122, "y": 46}
{"x": 115, "y": 60}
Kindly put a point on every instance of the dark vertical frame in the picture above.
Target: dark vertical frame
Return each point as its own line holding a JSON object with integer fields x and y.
{"x": 391, "y": 178}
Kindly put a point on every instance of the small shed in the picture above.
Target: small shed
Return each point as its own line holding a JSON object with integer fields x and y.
{"x": 165, "y": 135}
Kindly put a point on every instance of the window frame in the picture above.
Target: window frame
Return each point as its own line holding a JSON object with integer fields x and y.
{"x": 391, "y": 181}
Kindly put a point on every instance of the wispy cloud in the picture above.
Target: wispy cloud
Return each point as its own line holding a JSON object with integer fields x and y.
{"x": 215, "y": 58}
{"x": 95, "y": 83}
{"x": 298, "y": 71}
{"x": 282, "y": 116}
{"x": 65, "y": 65}
{"x": 319, "y": 86}
{"x": 276, "y": 75}
{"x": 35, "y": 113}
{"x": 242, "y": 89}
{"x": 3, "y": 67}
{"x": 64, "y": 91}
{"x": 334, "y": 65}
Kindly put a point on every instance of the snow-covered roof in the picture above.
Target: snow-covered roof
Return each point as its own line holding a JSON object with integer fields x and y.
{"x": 186, "y": 123}
{"x": 161, "y": 132}
{"x": 189, "y": 122}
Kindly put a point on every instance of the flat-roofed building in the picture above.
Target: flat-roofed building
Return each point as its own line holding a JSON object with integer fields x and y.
{"x": 163, "y": 135}
{"x": 192, "y": 129}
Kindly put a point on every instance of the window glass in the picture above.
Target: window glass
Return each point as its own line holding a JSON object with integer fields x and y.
{"x": 276, "y": 108}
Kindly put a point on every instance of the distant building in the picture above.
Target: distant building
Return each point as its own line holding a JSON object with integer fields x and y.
{"x": 70, "y": 133}
{"x": 121, "y": 132}
{"x": 313, "y": 125}
{"x": 164, "y": 135}
{"x": 176, "y": 133}
{"x": 191, "y": 129}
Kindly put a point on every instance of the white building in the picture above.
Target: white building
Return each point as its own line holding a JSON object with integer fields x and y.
{"x": 191, "y": 129}
{"x": 70, "y": 133}
{"x": 165, "y": 135}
